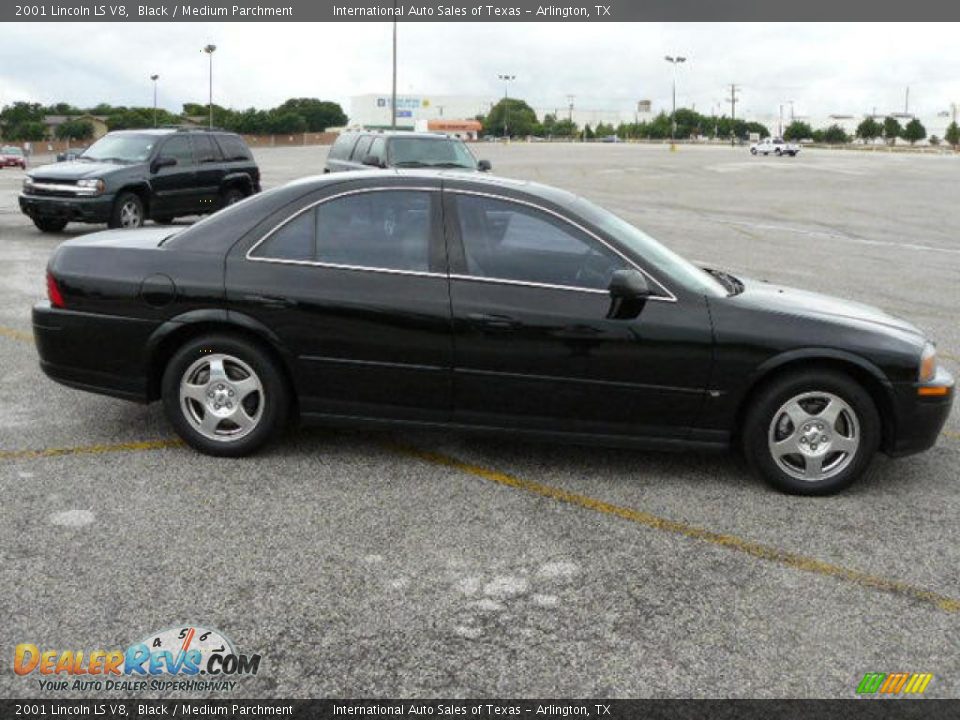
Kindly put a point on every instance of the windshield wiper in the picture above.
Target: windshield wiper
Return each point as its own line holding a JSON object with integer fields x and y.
{"x": 410, "y": 163}
{"x": 449, "y": 165}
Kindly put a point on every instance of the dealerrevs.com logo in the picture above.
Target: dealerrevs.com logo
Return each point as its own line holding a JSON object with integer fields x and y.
{"x": 180, "y": 658}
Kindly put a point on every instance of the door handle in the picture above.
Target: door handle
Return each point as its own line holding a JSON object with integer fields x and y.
{"x": 493, "y": 322}
{"x": 273, "y": 301}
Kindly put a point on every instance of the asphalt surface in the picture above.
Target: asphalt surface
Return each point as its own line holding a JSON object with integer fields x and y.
{"x": 427, "y": 565}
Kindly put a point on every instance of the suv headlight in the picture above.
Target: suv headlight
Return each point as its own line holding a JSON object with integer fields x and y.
{"x": 92, "y": 186}
{"x": 27, "y": 182}
{"x": 928, "y": 363}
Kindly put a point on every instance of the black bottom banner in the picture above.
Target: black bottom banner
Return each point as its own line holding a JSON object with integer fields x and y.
{"x": 609, "y": 709}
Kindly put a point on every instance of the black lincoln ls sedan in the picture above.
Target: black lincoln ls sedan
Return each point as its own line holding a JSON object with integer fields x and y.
{"x": 439, "y": 299}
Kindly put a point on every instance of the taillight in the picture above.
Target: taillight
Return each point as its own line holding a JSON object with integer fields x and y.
{"x": 53, "y": 291}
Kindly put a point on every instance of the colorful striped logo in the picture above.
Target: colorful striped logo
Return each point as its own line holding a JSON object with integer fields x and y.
{"x": 894, "y": 683}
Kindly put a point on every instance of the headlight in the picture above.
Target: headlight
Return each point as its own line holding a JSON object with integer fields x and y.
{"x": 928, "y": 363}
{"x": 93, "y": 186}
{"x": 27, "y": 182}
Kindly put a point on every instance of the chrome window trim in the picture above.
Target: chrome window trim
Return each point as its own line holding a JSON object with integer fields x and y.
{"x": 527, "y": 283}
{"x": 670, "y": 297}
{"x": 339, "y": 266}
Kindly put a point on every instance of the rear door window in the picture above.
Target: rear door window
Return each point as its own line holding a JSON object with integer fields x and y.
{"x": 178, "y": 147}
{"x": 205, "y": 149}
{"x": 342, "y": 146}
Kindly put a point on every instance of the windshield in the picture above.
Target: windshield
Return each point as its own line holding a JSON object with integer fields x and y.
{"x": 121, "y": 148}
{"x": 429, "y": 152}
{"x": 10, "y": 150}
{"x": 660, "y": 257}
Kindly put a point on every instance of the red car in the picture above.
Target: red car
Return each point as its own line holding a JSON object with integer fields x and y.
{"x": 11, "y": 156}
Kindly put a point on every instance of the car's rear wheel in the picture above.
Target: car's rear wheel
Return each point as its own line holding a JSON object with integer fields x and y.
{"x": 224, "y": 395}
{"x": 753, "y": 151}
{"x": 127, "y": 211}
{"x": 811, "y": 432}
{"x": 50, "y": 225}
{"x": 231, "y": 196}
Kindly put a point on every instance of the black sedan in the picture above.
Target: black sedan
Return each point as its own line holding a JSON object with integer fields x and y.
{"x": 431, "y": 299}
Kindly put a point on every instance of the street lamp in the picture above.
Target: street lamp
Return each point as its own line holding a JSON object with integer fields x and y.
{"x": 506, "y": 79}
{"x": 673, "y": 125}
{"x": 154, "y": 78}
{"x": 209, "y": 50}
{"x": 393, "y": 91}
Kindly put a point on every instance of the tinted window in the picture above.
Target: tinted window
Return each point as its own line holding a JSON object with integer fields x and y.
{"x": 388, "y": 229}
{"x": 293, "y": 241}
{"x": 378, "y": 148}
{"x": 205, "y": 149}
{"x": 178, "y": 147}
{"x": 233, "y": 147}
{"x": 342, "y": 147}
{"x": 362, "y": 148}
{"x": 508, "y": 241}
{"x": 429, "y": 152}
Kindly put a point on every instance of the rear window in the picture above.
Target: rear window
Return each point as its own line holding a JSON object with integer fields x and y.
{"x": 233, "y": 147}
{"x": 362, "y": 148}
{"x": 342, "y": 146}
{"x": 205, "y": 149}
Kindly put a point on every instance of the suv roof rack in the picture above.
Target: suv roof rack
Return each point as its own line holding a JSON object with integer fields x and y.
{"x": 191, "y": 128}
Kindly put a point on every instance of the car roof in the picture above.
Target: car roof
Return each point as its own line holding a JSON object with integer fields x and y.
{"x": 402, "y": 134}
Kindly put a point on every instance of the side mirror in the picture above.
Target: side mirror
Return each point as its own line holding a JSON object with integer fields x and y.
{"x": 162, "y": 162}
{"x": 629, "y": 285}
{"x": 628, "y": 294}
{"x": 372, "y": 161}
{"x": 484, "y": 166}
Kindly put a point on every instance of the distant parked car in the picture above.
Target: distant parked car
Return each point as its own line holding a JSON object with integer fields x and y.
{"x": 70, "y": 154}
{"x": 131, "y": 175}
{"x": 366, "y": 150}
{"x": 12, "y": 156}
{"x": 777, "y": 146}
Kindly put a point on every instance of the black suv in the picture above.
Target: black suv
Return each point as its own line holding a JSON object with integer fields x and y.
{"x": 366, "y": 150}
{"x": 130, "y": 175}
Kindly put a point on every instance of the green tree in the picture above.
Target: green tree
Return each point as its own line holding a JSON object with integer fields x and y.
{"x": 914, "y": 131}
{"x": 318, "y": 115}
{"x": 934, "y": 140}
{"x": 798, "y": 130}
{"x": 75, "y": 130}
{"x": 588, "y": 133}
{"x": 565, "y": 128}
{"x": 891, "y": 129}
{"x": 835, "y": 135}
{"x": 952, "y": 135}
{"x": 869, "y": 129}
{"x": 15, "y": 118}
{"x": 511, "y": 116}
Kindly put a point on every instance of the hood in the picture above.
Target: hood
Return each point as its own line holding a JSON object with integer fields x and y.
{"x": 146, "y": 237}
{"x": 74, "y": 170}
{"x": 791, "y": 301}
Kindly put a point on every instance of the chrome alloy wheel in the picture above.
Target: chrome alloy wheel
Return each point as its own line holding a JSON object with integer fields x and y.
{"x": 221, "y": 397}
{"x": 130, "y": 215}
{"x": 814, "y": 436}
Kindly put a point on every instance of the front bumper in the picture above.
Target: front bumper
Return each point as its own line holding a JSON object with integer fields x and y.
{"x": 75, "y": 209}
{"x": 93, "y": 352}
{"x": 919, "y": 419}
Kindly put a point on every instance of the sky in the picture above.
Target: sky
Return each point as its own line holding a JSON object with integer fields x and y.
{"x": 822, "y": 67}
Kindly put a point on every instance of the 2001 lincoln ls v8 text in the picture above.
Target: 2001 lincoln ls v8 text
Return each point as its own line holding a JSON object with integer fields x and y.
{"x": 438, "y": 299}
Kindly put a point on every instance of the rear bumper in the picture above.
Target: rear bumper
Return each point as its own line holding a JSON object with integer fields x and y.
{"x": 96, "y": 353}
{"x": 75, "y": 209}
{"x": 919, "y": 419}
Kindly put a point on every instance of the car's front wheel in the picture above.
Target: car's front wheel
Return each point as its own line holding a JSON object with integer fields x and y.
{"x": 811, "y": 432}
{"x": 49, "y": 225}
{"x": 753, "y": 151}
{"x": 127, "y": 211}
{"x": 224, "y": 395}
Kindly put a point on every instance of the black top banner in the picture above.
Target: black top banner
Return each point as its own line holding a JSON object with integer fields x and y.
{"x": 477, "y": 11}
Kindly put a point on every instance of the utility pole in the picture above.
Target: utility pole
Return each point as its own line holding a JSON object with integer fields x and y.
{"x": 734, "y": 89}
{"x": 780, "y": 129}
{"x": 154, "y": 78}
{"x": 507, "y": 79}
{"x": 570, "y": 99}
{"x": 906, "y": 102}
{"x": 209, "y": 50}
{"x": 393, "y": 91}
{"x": 673, "y": 118}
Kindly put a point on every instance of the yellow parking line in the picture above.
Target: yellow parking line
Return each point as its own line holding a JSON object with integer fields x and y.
{"x": 90, "y": 449}
{"x": 16, "y": 334}
{"x": 952, "y": 434}
{"x": 730, "y": 542}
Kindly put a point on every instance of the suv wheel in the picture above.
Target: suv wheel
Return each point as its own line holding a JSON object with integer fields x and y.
{"x": 224, "y": 396}
{"x": 127, "y": 211}
{"x": 50, "y": 225}
{"x": 811, "y": 433}
{"x": 231, "y": 196}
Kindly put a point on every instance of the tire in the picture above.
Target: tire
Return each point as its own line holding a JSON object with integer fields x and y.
{"x": 778, "y": 152}
{"x": 208, "y": 416}
{"x": 127, "y": 211}
{"x": 231, "y": 196}
{"x": 49, "y": 225}
{"x": 753, "y": 151}
{"x": 790, "y": 410}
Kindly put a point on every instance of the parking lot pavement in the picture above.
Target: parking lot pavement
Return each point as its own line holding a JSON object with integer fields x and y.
{"x": 414, "y": 564}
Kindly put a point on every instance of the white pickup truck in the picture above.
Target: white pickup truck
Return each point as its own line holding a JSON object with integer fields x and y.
{"x": 777, "y": 146}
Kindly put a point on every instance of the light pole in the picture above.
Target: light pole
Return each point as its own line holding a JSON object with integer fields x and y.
{"x": 673, "y": 124}
{"x": 393, "y": 90}
{"x": 507, "y": 79}
{"x": 154, "y": 78}
{"x": 570, "y": 99}
{"x": 209, "y": 50}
